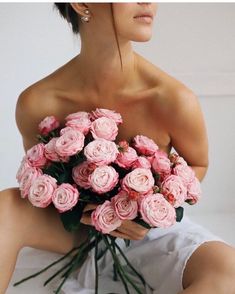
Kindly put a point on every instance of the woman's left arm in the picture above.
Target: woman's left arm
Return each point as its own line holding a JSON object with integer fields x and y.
{"x": 188, "y": 132}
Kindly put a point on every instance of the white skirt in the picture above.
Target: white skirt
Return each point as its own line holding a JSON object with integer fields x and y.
{"x": 160, "y": 258}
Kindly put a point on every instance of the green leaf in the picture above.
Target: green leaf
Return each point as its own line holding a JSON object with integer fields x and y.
{"x": 71, "y": 218}
{"x": 179, "y": 213}
{"x": 142, "y": 223}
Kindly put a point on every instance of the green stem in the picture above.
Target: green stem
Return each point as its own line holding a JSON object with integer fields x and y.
{"x": 118, "y": 265}
{"x": 96, "y": 264}
{"x": 126, "y": 275}
{"x": 129, "y": 264}
{"x": 114, "y": 265}
{"x": 46, "y": 268}
{"x": 77, "y": 262}
{"x": 59, "y": 271}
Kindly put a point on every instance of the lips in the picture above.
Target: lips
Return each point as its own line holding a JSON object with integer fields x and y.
{"x": 144, "y": 15}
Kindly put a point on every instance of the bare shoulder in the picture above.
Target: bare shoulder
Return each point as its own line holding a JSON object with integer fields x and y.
{"x": 184, "y": 120}
{"x": 33, "y": 104}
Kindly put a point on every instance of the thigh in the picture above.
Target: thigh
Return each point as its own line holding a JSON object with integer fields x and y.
{"x": 35, "y": 227}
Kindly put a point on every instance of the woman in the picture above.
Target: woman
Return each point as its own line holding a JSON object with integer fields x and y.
{"x": 109, "y": 74}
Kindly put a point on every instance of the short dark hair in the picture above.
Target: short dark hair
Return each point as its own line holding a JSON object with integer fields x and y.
{"x": 67, "y": 12}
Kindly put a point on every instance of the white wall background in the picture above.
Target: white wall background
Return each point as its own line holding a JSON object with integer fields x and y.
{"x": 195, "y": 42}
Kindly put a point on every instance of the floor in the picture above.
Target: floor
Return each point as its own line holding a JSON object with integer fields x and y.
{"x": 31, "y": 260}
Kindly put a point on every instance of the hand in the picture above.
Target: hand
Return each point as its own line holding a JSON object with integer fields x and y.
{"x": 128, "y": 230}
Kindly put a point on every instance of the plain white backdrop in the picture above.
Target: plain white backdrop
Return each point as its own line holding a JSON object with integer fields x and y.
{"x": 194, "y": 42}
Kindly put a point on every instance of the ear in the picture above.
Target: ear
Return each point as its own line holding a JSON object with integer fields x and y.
{"x": 79, "y": 7}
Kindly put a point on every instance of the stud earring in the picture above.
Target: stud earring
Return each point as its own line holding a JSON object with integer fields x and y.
{"x": 87, "y": 17}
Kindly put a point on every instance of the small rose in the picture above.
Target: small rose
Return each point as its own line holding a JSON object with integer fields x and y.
{"x": 102, "y": 112}
{"x": 81, "y": 173}
{"x": 65, "y": 197}
{"x": 79, "y": 121}
{"x": 41, "y": 190}
{"x": 124, "y": 207}
{"x": 157, "y": 211}
{"x": 35, "y": 155}
{"x": 27, "y": 178}
{"x": 70, "y": 143}
{"x": 101, "y": 152}
{"x": 24, "y": 165}
{"x": 144, "y": 145}
{"x": 48, "y": 124}
{"x": 184, "y": 171}
{"x": 174, "y": 190}
{"x": 105, "y": 128}
{"x": 194, "y": 191}
{"x": 140, "y": 180}
{"x": 104, "y": 218}
{"x": 161, "y": 163}
{"x": 103, "y": 179}
{"x": 50, "y": 152}
{"x": 126, "y": 158}
{"x": 141, "y": 161}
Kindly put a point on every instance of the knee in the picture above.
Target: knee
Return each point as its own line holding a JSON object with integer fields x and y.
{"x": 227, "y": 271}
{"x": 10, "y": 203}
{"x": 213, "y": 263}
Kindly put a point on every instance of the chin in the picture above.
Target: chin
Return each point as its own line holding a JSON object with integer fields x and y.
{"x": 142, "y": 38}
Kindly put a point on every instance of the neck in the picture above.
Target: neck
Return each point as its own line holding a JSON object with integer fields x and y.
{"x": 101, "y": 72}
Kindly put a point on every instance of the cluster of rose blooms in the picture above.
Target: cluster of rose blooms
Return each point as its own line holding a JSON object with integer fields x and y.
{"x": 153, "y": 186}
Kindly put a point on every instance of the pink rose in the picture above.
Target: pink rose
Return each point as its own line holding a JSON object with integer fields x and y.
{"x": 65, "y": 197}
{"x": 126, "y": 158}
{"x": 140, "y": 180}
{"x": 101, "y": 152}
{"x": 194, "y": 191}
{"x": 77, "y": 115}
{"x": 48, "y": 124}
{"x": 81, "y": 172}
{"x": 161, "y": 163}
{"x": 184, "y": 171}
{"x": 104, "y": 218}
{"x": 174, "y": 190}
{"x": 36, "y": 157}
{"x": 157, "y": 211}
{"x": 103, "y": 179}
{"x": 141, "y": 161}
{"x": 105, "y": 128}
{"x": 176, "y": 159}
{"x": 24, "y": 165}
{"x": 70, "y": 143}
{"x": 65, "y": 129}
{"x": 144, "y": 145}
{"x": 51, "y": 154}
{"x": 124, "y": 207}
{"x": 27, "y": 178}
{"x": 41, "y": 190}
{"x": 79, "y": 121}
{"x": 101, "y": 112}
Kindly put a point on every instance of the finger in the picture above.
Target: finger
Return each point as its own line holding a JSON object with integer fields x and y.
{"x": 90, "y": 206}
{"x": 86, "y": 219}
{"x": 119, "y": 235}
{"x": 135, "y": 231}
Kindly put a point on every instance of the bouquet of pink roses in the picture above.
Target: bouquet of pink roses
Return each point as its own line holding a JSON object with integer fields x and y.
{"x": 81, "y": 163}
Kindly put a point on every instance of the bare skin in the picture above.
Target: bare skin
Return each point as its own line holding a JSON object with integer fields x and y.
{"x": 154, "y": 104}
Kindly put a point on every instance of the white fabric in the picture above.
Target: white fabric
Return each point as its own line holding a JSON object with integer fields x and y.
{"x": 160, "y": 258}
